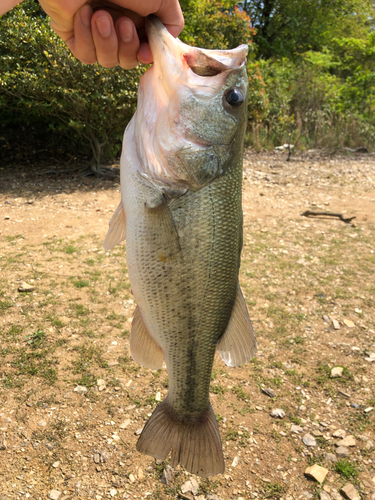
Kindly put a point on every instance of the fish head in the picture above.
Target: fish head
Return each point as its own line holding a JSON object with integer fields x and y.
{"x": 191, "y": 112}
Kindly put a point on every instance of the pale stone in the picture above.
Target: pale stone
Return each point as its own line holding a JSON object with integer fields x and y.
{"x": 131, "y": 478}
{"x": 317, "y": 472}
{"x": 190, "y": 486}
{"x": 337, "y": 371}
{"x": 125, "y": 423}
{"x": 349, "y": 323}
{"x": 158, "y": 397}
{"x": 25, "y": 287}
{"x": 54, "y": 495}
{"x": 349, "y": 492}
{"x": 296, "y": 429}
{"x": 277, "y": 413}
{"x": 340, "y": 433}
{"x": 330, "y": 458}
{"x": 347, "y": 441}
{"x": 80, "y": 389}
{"x": 343, "y": 452}
{"x": 324, "y": 496}
{"x": 336, "y": 324}
{"x": 236, "y": 461}
{"x": 309, "y": 440}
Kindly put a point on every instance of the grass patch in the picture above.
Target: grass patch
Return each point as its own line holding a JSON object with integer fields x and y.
{"x": 346, "y": 469}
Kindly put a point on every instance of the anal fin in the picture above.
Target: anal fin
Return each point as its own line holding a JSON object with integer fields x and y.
{"x": 143, "y": 348}
{"x": 117, "y": 228}
{"x": 238, "y": 344}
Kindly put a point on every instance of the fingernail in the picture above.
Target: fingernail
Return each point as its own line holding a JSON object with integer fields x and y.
{"x": 126, "y": 30}
{"x": 104, "y": 26}
{"x": 85, "y": 14}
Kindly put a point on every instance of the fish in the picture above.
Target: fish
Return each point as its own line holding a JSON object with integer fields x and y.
{"x": 181, "y": 216}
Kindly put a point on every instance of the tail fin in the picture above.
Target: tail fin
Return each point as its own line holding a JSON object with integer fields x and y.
{"x": 196, "y": 445}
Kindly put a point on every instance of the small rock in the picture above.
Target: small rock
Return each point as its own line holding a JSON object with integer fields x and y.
{"x": 167, "y": 475}
{"x": 55, "y": 464}
{"x": 330, "y": 458}
{"x": 158, "y": 397}
{"x": 212, "y": 496}
{"x": 336, "y": 324}
{"x": 277, "y": 413}
{"x": 345, "y": 394}
{"x": 307, "y": 495}
{"x": 367, "y": 410}
{"x": 125, "y": 423}
{"x": 369, "y": 445}
{"x": 131, "y": 478}
{"x": 336, "y": 371}
{"x": 25, "y": 287}
{"x": 3, "y": 443}
{"x": 113, "y": 492}
{"x": 355, "y": 405}
{"x": 296, "y": 429}
{"x": 348, "y": 441}
{"x": 342, "y": 452}
{"x": 270, "y": 392}
{"x": 140, "y": 473}
{"x": 190, "y": 486}
{"x": 236, "y": 461}
{"x": 326, "y": 318}
{"x": 340, "y": 433}
{"x": 101, "y": 388}
{"x": 349, "y": 323}
{"x": 138, "y": 432}
{"x": 54, "y": 495}
{"x": 97, "y": 458}
{"x": 81, "y": 389}
{"x": 349, "y": 492}
{"x": 42, "y": 423}
{"x": 309, "y": 440}
{"x": 100, "y": 382}
{"x": 324, "y": 495}
{"x": 104, "y": 456}
{"x": 316, "y": 472}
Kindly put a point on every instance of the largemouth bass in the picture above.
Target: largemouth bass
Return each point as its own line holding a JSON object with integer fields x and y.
{"x": 181, "y": 215}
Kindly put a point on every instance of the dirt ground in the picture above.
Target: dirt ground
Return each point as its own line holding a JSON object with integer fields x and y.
{"x": 72, "y": 402}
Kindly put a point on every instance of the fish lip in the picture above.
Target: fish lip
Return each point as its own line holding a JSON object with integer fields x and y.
{"x": 221, "y": 61}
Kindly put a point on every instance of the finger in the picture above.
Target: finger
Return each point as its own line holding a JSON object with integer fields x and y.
{"x": 128, "y": 43}
{"x": 170, "y": 14}
{"x": 82, "y": 43}
{"x": 144, "y": 54}
{"x": 105, "y": 39}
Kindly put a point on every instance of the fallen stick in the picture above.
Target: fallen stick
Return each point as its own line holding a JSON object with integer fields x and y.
{"x": 309, "y": 213}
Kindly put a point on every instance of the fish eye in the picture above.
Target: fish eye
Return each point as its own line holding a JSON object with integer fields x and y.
{"x": 234, "y": 97}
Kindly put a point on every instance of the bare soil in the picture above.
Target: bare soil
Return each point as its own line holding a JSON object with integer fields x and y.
{"x": 71, "y": 398}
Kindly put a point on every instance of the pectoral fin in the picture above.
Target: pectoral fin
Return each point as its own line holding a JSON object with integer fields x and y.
{"x": 143, "y": 348}
{"x": 117, "y": 228}
{"x": 238, "y": 344}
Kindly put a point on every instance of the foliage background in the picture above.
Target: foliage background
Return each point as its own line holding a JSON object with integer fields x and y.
{"x": 311, "y": 71}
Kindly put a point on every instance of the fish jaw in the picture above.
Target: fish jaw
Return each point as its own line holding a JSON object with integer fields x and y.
{"x": 183, "y": 121}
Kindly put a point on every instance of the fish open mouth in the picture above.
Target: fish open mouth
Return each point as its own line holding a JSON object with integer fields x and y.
{"x": 202, "y": 62}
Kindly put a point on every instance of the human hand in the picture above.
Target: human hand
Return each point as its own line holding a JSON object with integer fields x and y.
{"x": 110, "y": 33}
